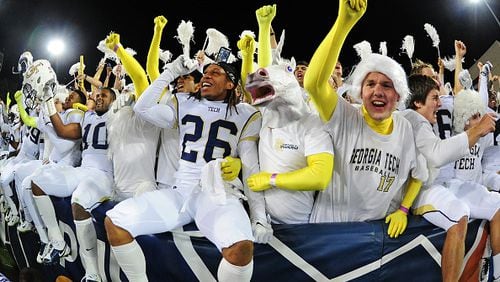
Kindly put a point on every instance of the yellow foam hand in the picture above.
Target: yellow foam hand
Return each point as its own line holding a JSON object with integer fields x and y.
{"x": 80, "y": 106}
{"x": 230, "y": 168}
{"x": 113, "y": 41}
{"x": 160, "y": 22}
{"x": 18, "y": 96}
{"x": 259, "y": 181}
{"x": 398, "y": 221}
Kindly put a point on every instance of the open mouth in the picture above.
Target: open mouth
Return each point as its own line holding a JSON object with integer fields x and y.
{"x": 261, "y": 92}
{"x": 378, "y": 104}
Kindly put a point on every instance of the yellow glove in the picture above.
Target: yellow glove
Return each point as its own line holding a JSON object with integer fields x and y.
{"x": 230, "y": 168}
{"x": 260, "y": 181}
{"x": 398, "y": 221}
{"x": 80, "y": 106}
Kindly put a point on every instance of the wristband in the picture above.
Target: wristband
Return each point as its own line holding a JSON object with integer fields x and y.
{"x": 272, "y": 181}
{"x": 404, "y": 209}
{"x": 115, "y": 48}
{"x": 51, "y": 107}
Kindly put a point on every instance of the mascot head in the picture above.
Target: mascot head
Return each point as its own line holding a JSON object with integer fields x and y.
{"x": 277, "y": 94}
{"x": 36, "y": 77}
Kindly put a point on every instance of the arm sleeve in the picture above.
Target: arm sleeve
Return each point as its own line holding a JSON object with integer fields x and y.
{"x": 483, "y": 88}
{"x": 147, "y": 107}
{"x": 412, "y": 191}
{"x": 134, "y": 69}
{"x": 326, "y": 56}
{"x": 152, "y": 65}
{"x": 249, "y": 155}
{"x": 439, "y": 152}
{"x": 315, "y": 176}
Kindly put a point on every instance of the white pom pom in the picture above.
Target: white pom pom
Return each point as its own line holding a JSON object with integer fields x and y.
{"x": 165, "y": 56}
{"x": 431, "y": 31}
{"x": 363, "y": 48}
{"x": 383, "y": 48}
{"x": 215, "y": 40}
{"x": 185, "y": 32}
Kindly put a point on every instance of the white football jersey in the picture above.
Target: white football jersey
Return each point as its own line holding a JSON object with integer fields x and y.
{"x": 443, "y": 126}
{"x": 95, "y": 142}
{"x": 210, "y": 130}
{"x": 64, "y": 151}
{"x": 30, "y": 143}
{"x": 469, "y": 167}
{"x": 133, "y": 143}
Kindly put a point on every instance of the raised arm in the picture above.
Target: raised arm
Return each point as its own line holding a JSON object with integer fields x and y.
{"x": 326, "y": 56}
{"x": 70, "y": 130}
{"x": 265, "y": 16}
{"x": 460, "y": 51}
{"x": 97, "y": 76}
{"x": 152, "y": 66}
{"x": 247, "y": 48}
{"x": 134, "y": 69}
{"x": 147, "y": 106}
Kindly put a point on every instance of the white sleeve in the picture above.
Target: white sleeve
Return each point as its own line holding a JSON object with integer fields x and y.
{"x": 483, "y": 88}
{"x": 62, "y": 145}
{"x": 249, "y": 155}
{"x": 147, "y": 107}
{"x": 439, "y": 152}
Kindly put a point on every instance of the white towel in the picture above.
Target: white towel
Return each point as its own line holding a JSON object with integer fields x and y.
{"x": 212, "y": 183}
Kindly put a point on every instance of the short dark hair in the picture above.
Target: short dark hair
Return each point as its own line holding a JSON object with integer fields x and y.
{"x": 420, "y": 86}
{"x": 302, "y": 62}
{"x": 231, "y": 72}
{"x": 111, "y": 90}
{"x": 81, "y": 95}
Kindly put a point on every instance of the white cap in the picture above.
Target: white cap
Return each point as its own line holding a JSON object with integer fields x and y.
{"x": 379, "y": 63}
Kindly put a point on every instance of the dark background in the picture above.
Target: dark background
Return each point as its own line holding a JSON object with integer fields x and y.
{"x": 28, "y": 25}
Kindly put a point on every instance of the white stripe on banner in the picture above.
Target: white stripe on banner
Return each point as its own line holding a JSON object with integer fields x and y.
{"x": 421, "y": 240}
{"x": 185, "y": 247}
{"x": 296, "y": 260}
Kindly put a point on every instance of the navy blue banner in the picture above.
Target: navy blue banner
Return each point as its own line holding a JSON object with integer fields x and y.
{"x": 303, "y": 252}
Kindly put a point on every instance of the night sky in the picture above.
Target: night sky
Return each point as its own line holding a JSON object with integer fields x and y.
{"x": 28, "y": 25}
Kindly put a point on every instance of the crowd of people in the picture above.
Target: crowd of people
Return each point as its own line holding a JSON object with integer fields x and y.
{"x": 297, "y": 141}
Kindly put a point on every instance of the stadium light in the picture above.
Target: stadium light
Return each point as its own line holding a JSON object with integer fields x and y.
{"x": 55, "y": 47}
{"x": 489, "y": 8}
